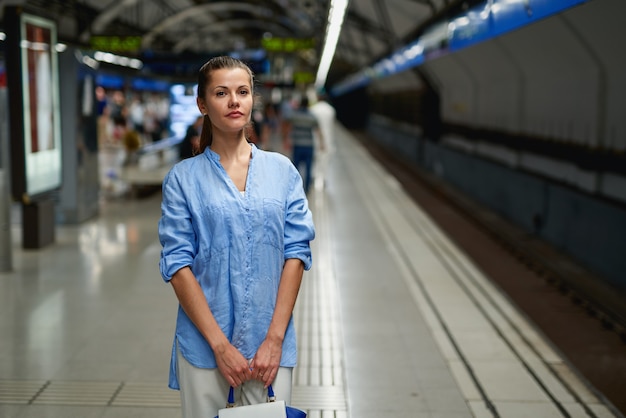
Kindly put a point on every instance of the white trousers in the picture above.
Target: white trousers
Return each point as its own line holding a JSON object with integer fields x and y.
{"x": 203, "y": 392}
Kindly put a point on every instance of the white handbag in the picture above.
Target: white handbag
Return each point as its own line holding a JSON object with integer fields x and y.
{"x": 276, "y": 409}
{"x": 270, "y": 409}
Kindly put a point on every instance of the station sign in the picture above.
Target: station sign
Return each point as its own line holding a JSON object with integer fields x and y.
{"x": 116, "y": 43}
{"x": 287, "y": 44}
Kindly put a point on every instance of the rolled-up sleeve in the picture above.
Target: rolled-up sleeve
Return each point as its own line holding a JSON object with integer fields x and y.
{"x": 176, "y": 232}
{"x": 299, "y": 227}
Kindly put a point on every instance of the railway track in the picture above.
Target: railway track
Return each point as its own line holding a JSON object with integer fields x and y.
{"x": 583, "y": 318}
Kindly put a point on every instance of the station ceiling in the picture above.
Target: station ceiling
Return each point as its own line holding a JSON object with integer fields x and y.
{"x": 188, "y": 28}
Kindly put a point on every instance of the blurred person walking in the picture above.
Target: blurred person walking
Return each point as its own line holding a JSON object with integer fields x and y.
{"x": 299, "y": 131}
{"x": 271, "y": 129}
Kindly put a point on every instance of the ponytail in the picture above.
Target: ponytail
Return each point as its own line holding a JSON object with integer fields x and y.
{"x": 206, "y": 136}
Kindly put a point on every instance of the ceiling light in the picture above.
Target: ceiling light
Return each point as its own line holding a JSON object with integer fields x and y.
{"x": 335, "y": 22}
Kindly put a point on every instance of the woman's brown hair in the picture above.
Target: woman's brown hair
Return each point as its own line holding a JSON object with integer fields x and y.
{"x": 204, "y": 78}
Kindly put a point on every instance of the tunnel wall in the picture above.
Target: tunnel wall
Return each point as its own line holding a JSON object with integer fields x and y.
{"x": 589, "y": 228}
{"x": 561, "y": 79}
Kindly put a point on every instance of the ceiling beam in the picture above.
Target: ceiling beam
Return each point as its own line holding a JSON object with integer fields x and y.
{"x": 229, "y": 26}
{"x": 205, "y": 10}
{"x": 107, "y": 16}
{"x": 365, "y": 25}
{"x": 392, "y": 39}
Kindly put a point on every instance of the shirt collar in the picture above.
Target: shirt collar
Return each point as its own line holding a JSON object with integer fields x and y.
{"x": 216, "y": 157}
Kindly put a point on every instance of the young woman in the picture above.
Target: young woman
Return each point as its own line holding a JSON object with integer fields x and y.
{"x": 235, "y": 231}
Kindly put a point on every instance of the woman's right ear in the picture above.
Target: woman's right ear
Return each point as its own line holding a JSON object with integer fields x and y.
{"x": 201, "y": 106}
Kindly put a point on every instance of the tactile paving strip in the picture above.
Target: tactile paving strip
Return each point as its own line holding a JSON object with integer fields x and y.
{"x": 152, "y": 395}
{"x": 20, "y": 392}
{"x": 92, "y": 393}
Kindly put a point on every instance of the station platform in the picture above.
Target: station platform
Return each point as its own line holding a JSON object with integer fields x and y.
{"x": 393, "y": 319}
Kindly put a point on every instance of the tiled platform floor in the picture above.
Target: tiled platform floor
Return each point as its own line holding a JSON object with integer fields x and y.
{"x": 393, "y": 320}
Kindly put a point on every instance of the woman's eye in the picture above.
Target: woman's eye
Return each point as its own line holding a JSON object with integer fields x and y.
{"x": 243, "y": 92}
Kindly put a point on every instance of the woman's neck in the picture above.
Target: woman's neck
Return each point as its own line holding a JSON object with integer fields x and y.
{"x": 231, "y": 147}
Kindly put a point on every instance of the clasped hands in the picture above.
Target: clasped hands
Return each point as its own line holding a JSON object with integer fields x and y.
{"x": 237, "y": 370}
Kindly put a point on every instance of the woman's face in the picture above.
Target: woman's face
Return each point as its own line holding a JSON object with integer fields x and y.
{"x": 228, "y": 100}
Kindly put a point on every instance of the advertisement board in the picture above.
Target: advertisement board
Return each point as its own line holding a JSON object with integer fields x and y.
{"x": 183, "y": 108}
{"x": 34, "y": 116}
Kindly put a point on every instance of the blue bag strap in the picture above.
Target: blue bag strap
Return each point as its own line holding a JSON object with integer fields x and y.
{"x": 270, "y": 394}
{"x": 231, "y": 398}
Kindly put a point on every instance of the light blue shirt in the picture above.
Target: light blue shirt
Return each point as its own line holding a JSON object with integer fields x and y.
{"x": 236, "y": 245}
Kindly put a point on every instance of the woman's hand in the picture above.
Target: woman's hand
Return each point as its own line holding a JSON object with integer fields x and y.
{"x": 232, "y": 365}
{"x": 266, "y": 361}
